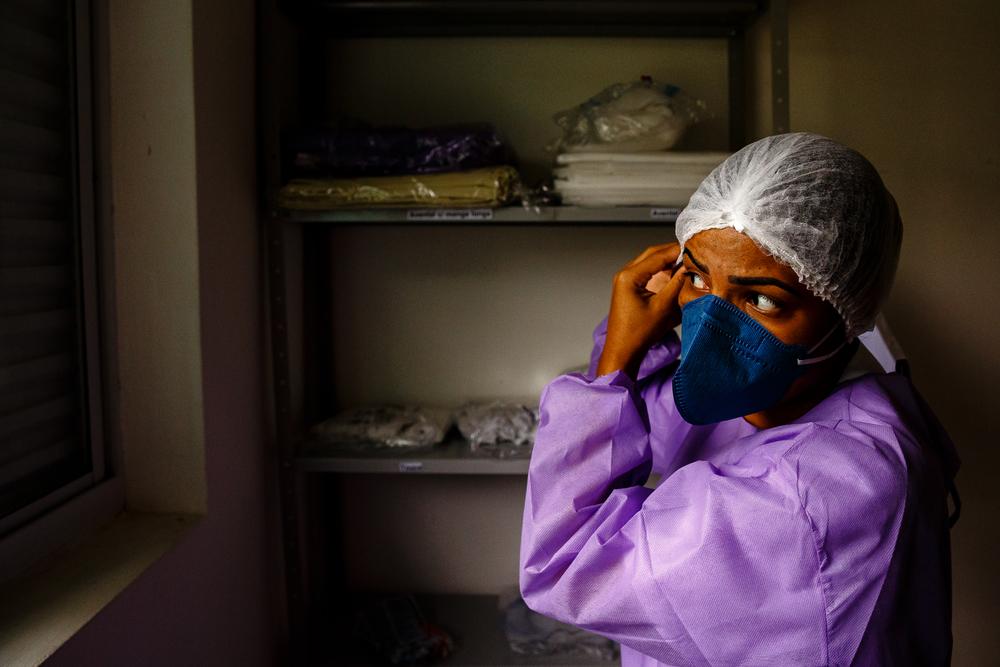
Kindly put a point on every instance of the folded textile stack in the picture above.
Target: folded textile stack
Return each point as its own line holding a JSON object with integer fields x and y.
{"x": 449, "y": 166}
{"x": 486, "y": 187}
{"x": 632, "y": 179}
{"x": 387, "y": 426}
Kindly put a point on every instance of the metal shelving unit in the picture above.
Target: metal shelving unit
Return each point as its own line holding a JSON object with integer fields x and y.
{"x": 507, "y": 215}
{"x": 304, "y": 461}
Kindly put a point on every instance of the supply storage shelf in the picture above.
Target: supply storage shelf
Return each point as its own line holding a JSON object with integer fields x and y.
{"x": 304, "y": 58}
{"x": 452, "y": 457}
{"x": 508, "y": 215}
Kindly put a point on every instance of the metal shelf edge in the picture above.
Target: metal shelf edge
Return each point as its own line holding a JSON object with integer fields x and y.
{"x": 410, "y": 466}
{"x": 511, "y": 215}
{"x": 452, "y": 457}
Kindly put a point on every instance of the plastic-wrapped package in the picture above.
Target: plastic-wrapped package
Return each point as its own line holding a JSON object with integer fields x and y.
{"x": 532, "y": 634}
{"x": 486, "y": 187}
{"x": 628, "y": 117}
{"x": 385, "y": 151}
{"x": 396, "y": 629}
{"x": 387, "y": 426}
{"x": 501, "y": 428}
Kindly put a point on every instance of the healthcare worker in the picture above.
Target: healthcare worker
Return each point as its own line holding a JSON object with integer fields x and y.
{"x": 800, "y": 519}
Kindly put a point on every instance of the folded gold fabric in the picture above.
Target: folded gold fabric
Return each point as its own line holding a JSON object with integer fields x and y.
{"x": 489, "y": 186}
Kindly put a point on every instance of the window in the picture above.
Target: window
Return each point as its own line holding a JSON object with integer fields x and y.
{"x": 51, "y": 441}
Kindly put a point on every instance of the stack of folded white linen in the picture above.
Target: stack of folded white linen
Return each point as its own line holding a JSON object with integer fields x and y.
{"x": 660, "y": 178}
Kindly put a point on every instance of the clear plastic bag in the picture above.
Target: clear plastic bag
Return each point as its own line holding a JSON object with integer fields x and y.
{"x": 638, "y": 116}
{"x": 395, "y": 627}
{"x": 386, "y": 426}
{"x": 500, "y": 428}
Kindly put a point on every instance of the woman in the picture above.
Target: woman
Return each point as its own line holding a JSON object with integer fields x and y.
{"x": 800, "y": 520}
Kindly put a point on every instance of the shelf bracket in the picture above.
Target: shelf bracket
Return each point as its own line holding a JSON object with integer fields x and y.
{"x": 288, "y": 476}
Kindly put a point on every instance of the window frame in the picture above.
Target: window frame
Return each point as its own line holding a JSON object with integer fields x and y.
{"x": 81, "y": 506}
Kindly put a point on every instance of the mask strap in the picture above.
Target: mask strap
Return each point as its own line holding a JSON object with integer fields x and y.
{"x": 815, "y": 360}
{"x": 823, "y": 339}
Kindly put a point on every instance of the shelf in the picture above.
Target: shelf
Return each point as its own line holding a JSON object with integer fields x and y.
{"x": 508, "y": 215}
{"x": 452, "y": 457}
{"x": 670, "y": 18}
{"x": 474, "y": 621}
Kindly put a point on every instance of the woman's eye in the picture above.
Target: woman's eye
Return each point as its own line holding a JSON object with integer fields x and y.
{"x": 697, "y": 281}
{"x": 763, "y": 303}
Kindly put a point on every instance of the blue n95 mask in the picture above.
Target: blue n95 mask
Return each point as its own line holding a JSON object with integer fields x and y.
{"x": 731, "y": 365}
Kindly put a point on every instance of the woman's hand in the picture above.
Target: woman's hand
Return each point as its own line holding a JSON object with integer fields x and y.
{"x": 643, "y": 308}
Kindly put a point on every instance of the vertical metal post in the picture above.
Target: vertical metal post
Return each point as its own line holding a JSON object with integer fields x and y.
{"x": 288, "y": 480}
{"x": 736, "y": 43}
{"x": 268, "y": 114}
{"x": 273, "y": 235}
{"x": 779, "y": 66}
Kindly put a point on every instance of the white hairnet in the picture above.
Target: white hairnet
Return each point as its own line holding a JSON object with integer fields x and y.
{"x": 815, "y": 205}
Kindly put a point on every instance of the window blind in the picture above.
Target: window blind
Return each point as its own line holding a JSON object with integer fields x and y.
{"x": 45, "y": 442}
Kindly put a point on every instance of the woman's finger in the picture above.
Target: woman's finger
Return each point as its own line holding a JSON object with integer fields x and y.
{"x": 669, "y": 293}
{"x": 641, "y": 271}
{"x": 650, "y": 250}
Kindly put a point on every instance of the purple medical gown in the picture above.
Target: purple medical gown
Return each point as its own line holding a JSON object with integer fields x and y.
{"x": 820, "y": 542}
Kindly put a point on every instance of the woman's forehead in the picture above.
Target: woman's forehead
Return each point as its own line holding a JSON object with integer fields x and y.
{"x": 731, "y": 252}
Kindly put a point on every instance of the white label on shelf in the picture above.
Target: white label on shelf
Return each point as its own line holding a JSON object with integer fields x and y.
{"x": 663, "y": 213}
{"x": 450, "y": 214}
{"x": 411, "y": 466}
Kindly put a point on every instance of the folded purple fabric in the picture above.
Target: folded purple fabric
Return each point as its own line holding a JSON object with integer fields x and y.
{"x": 387, "y": 151}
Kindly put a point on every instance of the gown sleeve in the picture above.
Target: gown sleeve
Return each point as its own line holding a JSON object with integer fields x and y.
{"x": 711, "y": 567}
{"x": 658, "y": 358}
{"x": 654, "y": 378}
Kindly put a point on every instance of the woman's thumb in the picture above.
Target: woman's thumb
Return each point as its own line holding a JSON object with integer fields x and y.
{"x": 667, "y": 296}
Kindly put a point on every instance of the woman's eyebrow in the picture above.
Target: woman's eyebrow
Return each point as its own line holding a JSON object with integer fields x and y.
{"x": 763, "y": 280}
{"x": 696, "y": 262}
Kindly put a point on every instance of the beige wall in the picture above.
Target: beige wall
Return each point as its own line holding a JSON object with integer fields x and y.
{"x": 154, "y": 196}
{"x": 517, "y": 83}
{"x": 915, "y": 86}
